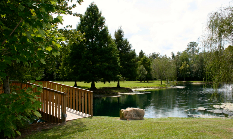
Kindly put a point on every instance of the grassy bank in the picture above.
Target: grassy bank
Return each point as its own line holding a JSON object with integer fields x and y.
{"x": 112, "y": 127}
{"x": 127, "y": 84}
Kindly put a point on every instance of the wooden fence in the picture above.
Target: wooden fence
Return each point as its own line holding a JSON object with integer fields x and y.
{"x": 56, "y": 98}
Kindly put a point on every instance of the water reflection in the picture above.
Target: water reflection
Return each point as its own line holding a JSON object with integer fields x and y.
{"x": 166, "y": 103}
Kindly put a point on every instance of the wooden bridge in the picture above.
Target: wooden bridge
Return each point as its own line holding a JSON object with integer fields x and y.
{"x": 60, "y": 102}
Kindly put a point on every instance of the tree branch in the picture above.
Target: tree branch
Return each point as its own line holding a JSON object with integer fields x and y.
{"x": 13, "y": 30}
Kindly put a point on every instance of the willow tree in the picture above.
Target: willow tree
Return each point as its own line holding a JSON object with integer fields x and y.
{"x": 96, "y": 56}
{"x": 219, "y": 32}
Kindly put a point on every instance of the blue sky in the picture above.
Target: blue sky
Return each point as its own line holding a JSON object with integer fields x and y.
{"x": 161, "y": 26}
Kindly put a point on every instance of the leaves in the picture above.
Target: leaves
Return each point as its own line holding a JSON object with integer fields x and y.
{"x": 96, "y": 56}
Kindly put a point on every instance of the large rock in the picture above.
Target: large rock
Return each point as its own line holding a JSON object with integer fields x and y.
{"x": 132, "y": 114}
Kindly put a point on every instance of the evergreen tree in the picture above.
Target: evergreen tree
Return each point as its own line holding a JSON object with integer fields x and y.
{"x": 127, "y": 56}
{"x": 146, "y": 62}
{"x": 96, "y": 57}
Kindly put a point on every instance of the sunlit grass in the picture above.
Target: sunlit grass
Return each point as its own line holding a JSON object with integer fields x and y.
{"x": 112, "y": 127}
{"x": 128, "y": 84}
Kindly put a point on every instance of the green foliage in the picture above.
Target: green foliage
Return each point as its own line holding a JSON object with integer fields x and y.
{"x": 146, "y": 62}
{"x": 217, "y": 60}
{"x": 29, "y": 38}
{"x": 163, "y": 68}
{"x": 72, "y": 38}
{"x": 127, "y": 56}
{"x": 141, "y": 73}
{"x": 95, "y": 57}
{"x": 17, "y": 110}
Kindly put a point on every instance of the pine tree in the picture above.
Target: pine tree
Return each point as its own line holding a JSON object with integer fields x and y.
{"x": 96, "y": 57}
{"x": 127, "y": 56}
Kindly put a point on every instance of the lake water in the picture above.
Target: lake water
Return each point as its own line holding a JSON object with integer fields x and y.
{"x": 175, "y": 102}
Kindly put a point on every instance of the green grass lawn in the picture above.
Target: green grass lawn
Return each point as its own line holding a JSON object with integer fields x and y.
{"x": 128, "y": 84}
{"x": 112, "y": 127}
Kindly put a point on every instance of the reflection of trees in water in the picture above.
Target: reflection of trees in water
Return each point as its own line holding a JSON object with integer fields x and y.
{"x": 110, "y": 106}
{"x": 163, "y": 102}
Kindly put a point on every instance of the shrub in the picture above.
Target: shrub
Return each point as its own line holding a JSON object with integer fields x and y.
{"x": 17, "y": 110}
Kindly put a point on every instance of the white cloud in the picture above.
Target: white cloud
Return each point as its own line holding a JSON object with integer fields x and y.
{"x": 162, "y": 26}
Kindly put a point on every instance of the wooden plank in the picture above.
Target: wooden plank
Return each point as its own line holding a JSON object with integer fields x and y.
{"x": 59, "y": 87}
{"x": 62, "y": 108}
{"x": 71, "y": 96}
{"x": 76, "y": 102}
{"x": 86, "y": 92}
{"x": 80, "y": 99}
{"x": 53, "y": 102}
{"x": 50, "y": 97}
{"x": 74, "y": 92}
{"x": 59, "y": 105}
{"x": 52, "y": 85}
{"x": 46, "y": 104}
{"x": 42, "y": 100}
{"x": 68, "y": 95}
{"x": 89, "y": 103}
{"x": 83, "y": 100}
{"x": 56, "y": 98}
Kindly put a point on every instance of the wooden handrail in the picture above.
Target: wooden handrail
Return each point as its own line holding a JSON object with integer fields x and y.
{"x": 56, "y": 98}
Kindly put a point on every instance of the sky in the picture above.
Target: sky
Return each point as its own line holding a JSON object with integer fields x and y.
{"x": 160, "y": 26}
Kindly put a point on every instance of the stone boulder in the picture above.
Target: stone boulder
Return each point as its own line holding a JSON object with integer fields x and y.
{"x": 132, "y": 114}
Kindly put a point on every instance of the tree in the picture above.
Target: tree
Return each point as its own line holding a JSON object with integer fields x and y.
{"x": 163, "y": 68}
{"x": 73, "y": 38}
{"x": 141, "y": 55}
{"x": 28, "y": 37}
{"x": 141, "y": 73}
{"x": 96, "y": 57}
{"x": 146, "y": 62}
{"x": 127, "y": 56}
{"x": 219, "y": 31}
{"x": 154, "y": 55}
{"x": 29, "y": 40}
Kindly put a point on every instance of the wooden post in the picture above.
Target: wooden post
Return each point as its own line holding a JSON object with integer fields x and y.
{"x": 56, "y": 97}
{"x": 64, "y": 99}
{"x": 59, "y": 105}
{"x": 80, "y": 99}
{"x": 50, "y": 98}
{"x": 83, "y": 91}
{"x": 46, "y": 104}
{"x": 86, "y": 92}
{"x": 53, "y": 102}
{"x": 59, "y": 87}
{"x": 42, "y": 101}
{"x": 71, "y": 96}
{"x": 74, "y": 93}
{"x": 76, "y": 102}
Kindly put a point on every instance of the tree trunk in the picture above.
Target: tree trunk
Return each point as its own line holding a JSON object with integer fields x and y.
{"x": 118, "y": 84}
{"x": 75, "y": 84}
{"x": 6, "y": 85}
{"x": 93, "y": 85}
{"x": 161, "y": 81}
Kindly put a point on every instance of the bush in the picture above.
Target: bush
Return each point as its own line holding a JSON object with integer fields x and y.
{"x": 17, "y": 110}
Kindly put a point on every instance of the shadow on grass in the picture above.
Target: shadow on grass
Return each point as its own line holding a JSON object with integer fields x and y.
{"x": 70, "y": 128}
{"x": 144, "y": 82}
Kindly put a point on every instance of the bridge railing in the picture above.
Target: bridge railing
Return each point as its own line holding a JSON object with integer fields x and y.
{"x": 56, "y": 98}
{"x": 78, "y": 99}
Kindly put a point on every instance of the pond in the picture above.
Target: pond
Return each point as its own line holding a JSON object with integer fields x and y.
{"x": 182, "y": 101}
